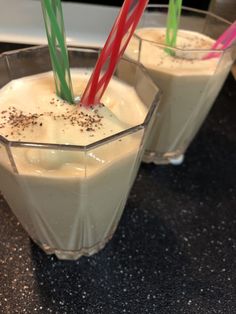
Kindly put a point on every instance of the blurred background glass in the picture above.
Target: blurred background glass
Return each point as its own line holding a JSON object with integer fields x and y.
{"x": 190, "y": 3}
{"x": 227, "y": 10}
{"x": 224, "y": 8}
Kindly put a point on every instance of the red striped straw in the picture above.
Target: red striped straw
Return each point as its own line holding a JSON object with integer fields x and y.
{"x": 113, "y": 50}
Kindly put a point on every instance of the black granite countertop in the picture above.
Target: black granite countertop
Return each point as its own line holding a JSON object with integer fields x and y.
{"x": 174, "y": 250}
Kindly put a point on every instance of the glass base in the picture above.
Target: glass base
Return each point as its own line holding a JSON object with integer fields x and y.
{"x": 163, "y": 159}
{"x": 177, "y": 160}
{"x": 73, "y": 255}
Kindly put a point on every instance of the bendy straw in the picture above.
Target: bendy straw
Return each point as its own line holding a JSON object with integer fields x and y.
{"x": 54, "y": 23}
{"x": 113, "y": 49}
{"x": 224, "y": 41}
{"x": 172, "y": 26}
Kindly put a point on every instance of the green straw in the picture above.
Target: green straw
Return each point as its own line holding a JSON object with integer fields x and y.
{"x": 54, "y": 23}
{"x": 173, "y": 18}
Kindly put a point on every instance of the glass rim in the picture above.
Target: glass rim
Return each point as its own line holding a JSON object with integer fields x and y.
{"x": 106, "y": 140}
{"x": 190, "y": 9}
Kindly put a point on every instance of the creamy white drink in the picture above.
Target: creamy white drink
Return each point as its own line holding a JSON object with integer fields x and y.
{"x": 68, "y": 199}
{"x": 189, "y": 83}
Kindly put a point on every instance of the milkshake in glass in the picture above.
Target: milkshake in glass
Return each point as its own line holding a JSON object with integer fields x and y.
{"x": 190, "y": 83}
{"x": 65, "y": 170}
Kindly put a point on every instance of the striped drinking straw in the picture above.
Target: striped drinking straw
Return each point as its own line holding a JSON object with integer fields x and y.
{"x": 172, "y": 26}
{"x": 224, "y": 41}
{"x": 54, "y": 23}
{"x": 113, "y": 49}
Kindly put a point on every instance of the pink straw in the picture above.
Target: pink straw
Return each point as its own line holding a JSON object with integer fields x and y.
{"x": 113, "y": 50}
{"x": 224, "y": 41}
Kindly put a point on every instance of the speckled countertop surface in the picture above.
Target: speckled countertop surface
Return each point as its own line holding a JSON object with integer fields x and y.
{"x": 174, "y": 250}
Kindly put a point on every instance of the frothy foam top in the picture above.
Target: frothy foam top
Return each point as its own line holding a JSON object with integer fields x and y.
{"x": 30, "y": 111}
{"x": 193, "y": 45}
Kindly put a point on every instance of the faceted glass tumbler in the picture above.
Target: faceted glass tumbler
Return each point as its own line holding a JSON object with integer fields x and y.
{"x": 190, "y": 88}
{"x": 74, "y": 212}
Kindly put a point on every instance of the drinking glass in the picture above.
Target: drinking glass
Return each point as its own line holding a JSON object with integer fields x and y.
{"x": 75, "y": 212}
{"x": 190, "y": 82}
